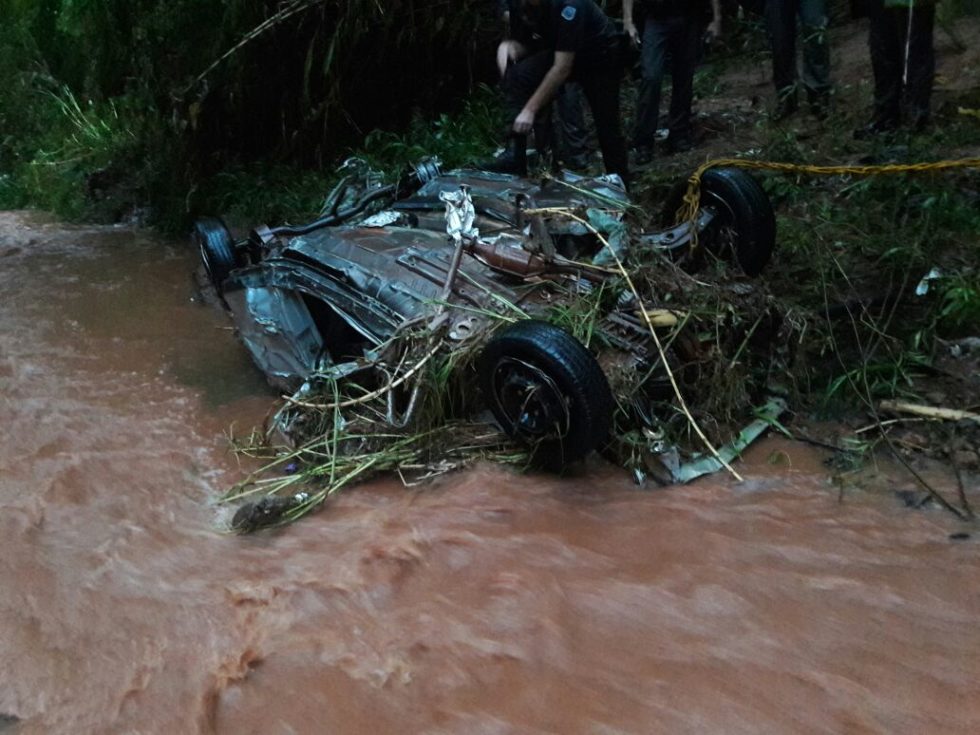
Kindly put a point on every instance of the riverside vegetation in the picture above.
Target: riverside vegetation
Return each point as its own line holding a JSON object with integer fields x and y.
{"x": 175, "y": 108}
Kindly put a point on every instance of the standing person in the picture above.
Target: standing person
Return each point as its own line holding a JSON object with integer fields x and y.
{"x": 781, "y": 19}
{"x": 675, "y": 27}
{"x": 903, "y": 61}
{"x": 551, "y": 42}
{"x": 572, "y": 136}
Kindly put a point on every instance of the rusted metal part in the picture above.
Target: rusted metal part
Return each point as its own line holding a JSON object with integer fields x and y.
{"x": 460, "y": 216}
{"x": 507, "y": 259}
{"x": 447, "y": 288}
{"x": 538, "y": 239}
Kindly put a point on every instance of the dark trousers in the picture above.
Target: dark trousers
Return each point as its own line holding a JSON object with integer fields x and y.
{"x": 600, "y": 84}
{"x": 679, "y": 36}
{"x": 888, "y": 34}
{"x": 781, "y": 20}
{"x": 573, "y": 136}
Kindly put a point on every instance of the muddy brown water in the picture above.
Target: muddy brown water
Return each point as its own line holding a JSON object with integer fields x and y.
{"x": 485, "y": 603}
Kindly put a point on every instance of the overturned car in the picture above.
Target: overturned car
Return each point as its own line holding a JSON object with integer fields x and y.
{"x": 484, "y": 264}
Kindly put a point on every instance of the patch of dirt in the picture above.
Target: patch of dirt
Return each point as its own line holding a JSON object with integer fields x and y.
{"x": 733, "y": 113}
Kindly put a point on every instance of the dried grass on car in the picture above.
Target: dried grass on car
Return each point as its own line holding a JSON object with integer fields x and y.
{"x": 718, "y": 333}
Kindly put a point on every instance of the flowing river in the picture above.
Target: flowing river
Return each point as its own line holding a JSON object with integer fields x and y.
{"x": 487, "y": 602}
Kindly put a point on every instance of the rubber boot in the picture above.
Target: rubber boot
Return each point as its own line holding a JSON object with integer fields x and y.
{"x": 513, "y": 160}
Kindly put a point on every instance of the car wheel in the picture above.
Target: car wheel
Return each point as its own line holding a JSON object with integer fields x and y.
{"x": 744, "y": 229}
{"x": 217, "y": 249}
{"x": 547, "y": 391}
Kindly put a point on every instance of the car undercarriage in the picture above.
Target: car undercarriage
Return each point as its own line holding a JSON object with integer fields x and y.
{"x": 519, "y": 285}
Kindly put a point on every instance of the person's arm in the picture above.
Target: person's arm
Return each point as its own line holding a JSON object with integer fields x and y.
{"x": 714, "y": 27}
{"x": 628, "y": 23}
{"x": 559, "y": 72}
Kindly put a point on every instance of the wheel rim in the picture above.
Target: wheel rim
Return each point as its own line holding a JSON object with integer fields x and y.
{"x": 529, "y": 400}
{"x": 724, "y": 237}
{"x": 205, "y": 257}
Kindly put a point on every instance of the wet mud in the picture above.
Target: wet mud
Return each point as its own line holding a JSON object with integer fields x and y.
{"x": 487, "y": 602}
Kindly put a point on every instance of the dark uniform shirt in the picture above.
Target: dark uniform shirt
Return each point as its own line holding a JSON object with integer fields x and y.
{"x": 578, "y": 26}
{"x": 661, "y": 9}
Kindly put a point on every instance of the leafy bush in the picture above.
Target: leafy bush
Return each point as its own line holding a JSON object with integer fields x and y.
{"x": 959, "y": 309}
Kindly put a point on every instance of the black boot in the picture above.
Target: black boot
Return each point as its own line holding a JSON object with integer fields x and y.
{"x": 512, "y": 161}
{"x": 819, "y": 104}
{"x": 919, "y": 120}
{"x": 875, "y": 128}
{"x": 679, "y": 143}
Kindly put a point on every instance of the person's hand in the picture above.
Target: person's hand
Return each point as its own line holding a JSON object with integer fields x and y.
{"x": 524, "y": 122}
{"x": 508, "y": 52}
{"x": 632, "y": 32}
{"x": 502, "y": 57}
{"x": 714, "y": 30}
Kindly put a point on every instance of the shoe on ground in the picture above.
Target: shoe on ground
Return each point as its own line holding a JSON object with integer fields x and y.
{"x": 919, "y": 122}
{"x": 875, "y": 128}
{"x": 679, "y": 143}
{"x": 820, "y": 108}
{"x": 786, "y": 106}
{"x": 819, "y": 101}
{"x": 578, "y": 162}
{"x": 504, "y": 163}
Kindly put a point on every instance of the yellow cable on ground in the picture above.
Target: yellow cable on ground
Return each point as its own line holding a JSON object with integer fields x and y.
{"x": 692, "y": 198}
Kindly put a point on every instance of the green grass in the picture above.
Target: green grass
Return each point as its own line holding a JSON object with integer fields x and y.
{"x": 959, "y": 306}
{"x": 871, "y": 242}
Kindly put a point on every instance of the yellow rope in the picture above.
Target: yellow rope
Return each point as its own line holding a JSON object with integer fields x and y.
{"x": 692, "y": 198}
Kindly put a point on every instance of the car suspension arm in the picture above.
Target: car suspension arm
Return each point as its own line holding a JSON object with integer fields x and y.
{"x": 339, "y": 217}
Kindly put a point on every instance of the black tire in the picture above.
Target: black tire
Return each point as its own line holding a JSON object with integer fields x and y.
{"x": 217, "y": 249}
{"x": 745, "y": 227}
{"x": 547, "y": 391}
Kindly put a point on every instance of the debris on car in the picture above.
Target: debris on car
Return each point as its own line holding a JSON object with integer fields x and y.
{"x": 406, "y": 310}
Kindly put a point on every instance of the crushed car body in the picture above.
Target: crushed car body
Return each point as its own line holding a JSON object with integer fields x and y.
{"x": 477, "y": 261}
